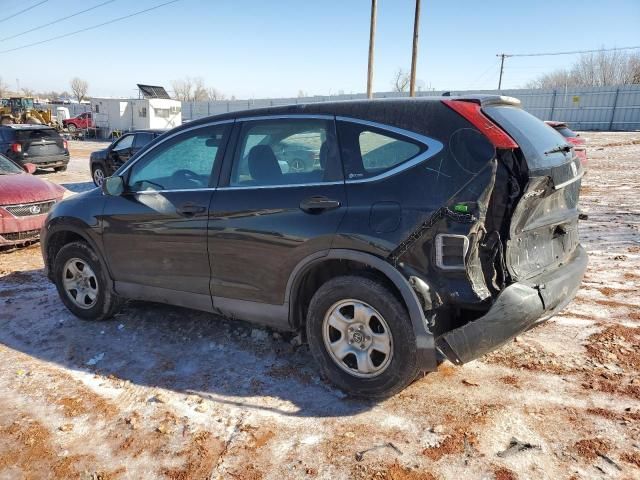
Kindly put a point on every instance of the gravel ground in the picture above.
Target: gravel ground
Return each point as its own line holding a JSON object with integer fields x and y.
{"x": 163, "y": 392}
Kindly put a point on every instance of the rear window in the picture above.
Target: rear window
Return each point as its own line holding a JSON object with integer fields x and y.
{"x": 567, "y": 132}
{"x": 532, "y": 135}
{"x": 28, "y": 135}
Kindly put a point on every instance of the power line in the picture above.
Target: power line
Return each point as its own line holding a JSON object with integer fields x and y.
{"x": 24, "y": 10}
{"x": 56, "y": 21}
{"x": 57, "y": 37}
{"x": 573, "y": 52}
{"x": 481, "y": 76}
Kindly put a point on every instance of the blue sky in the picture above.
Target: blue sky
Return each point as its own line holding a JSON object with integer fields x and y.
{"x": 258, "y": 48}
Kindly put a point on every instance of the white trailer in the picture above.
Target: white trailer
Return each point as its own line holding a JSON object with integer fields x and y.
{"x": 135, "y": 114}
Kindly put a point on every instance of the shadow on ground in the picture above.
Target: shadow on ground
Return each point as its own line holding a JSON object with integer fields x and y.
{"x": 169, "y": 347}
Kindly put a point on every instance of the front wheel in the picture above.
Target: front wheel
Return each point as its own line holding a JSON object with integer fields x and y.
{"x": 71, "y": 127}
{"x": 98, "y": 174}
{"x": 361, "y": 336}
{"x": 83, "y": 284}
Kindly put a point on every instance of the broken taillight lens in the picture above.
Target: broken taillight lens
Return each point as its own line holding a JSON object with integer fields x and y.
{"x": 473, "y": 113}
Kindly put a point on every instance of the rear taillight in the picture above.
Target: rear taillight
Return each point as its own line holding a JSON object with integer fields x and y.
{"x": 65, "y": 144}
{"x": 16, "y": 148}
{"x": 473, "y": 113}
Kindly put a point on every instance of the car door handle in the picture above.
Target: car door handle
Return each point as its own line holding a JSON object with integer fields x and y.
{"x": 318, "y": 204}
{"x": 189, "y": 209}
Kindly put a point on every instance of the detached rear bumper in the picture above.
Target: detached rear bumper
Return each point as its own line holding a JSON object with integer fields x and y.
{"x": 519, "y": 307}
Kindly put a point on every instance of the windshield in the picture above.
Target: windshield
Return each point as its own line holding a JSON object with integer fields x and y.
{"x": 7, "y": 167}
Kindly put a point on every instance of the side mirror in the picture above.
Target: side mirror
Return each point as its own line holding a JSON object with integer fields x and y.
{"x": 113, "y": 186}
{"x": 30, "y": 168}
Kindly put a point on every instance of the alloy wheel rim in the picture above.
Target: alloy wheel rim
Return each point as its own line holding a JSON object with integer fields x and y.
{"x": 80, "y": 283}
{"x": 357, "y": 338}
{"x": 98, "y": 176}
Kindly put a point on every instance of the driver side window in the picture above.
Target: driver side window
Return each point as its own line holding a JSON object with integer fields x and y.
{"x": 182, "y": 163}
{"x": 123, "y": 143}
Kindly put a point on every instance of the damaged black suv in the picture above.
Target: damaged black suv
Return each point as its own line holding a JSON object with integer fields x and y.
{"x": 419, "y": 229}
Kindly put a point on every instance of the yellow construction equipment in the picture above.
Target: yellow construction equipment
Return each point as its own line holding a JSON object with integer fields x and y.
{"x": 22, "y": 110}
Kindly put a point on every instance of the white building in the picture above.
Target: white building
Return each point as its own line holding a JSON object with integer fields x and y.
{"x": 136, "y": 114}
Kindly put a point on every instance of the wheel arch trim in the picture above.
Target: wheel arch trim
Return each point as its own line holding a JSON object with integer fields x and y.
{"x": 425, "y": 342}
{"x": 81, "y": 231}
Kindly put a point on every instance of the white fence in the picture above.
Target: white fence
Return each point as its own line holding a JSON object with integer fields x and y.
{"x": 596, "y": 108}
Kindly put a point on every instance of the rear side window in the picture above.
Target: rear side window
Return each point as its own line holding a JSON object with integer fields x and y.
{"x": 368, "y": 151}
{"x": 142, "y": 139}
{"x": 293, "y": 151}
{"x": 534, "y": 137}
{"x": 30, "y": 135}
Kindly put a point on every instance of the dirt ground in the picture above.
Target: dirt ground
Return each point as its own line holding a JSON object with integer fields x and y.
{"x": 163, "y": 392}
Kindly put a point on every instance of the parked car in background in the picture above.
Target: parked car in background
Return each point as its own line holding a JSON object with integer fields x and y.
{"x": 427, "y": 227}
{"x": 104, "y": 162}
{"x": 579, "y": 143}
{"x": 25, "y": 201}
{"x": 82, "y": 121}
{"x": 40, "y": 145}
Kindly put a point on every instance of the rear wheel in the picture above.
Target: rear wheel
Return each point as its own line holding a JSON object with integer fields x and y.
{"x": 83, "y": 284}
{"x": 71, "y": 127}
{"x": 98, "y": 174}
{"x": 361, "y": 336}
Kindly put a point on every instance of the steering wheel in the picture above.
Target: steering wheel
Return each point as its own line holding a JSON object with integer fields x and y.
{"x": 186, "y": 175}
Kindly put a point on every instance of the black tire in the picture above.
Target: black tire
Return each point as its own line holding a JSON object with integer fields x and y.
{"x": 402, "y": 368}
{"x": 71, "y": 127}
{"x": 95, "y": 169}
{"x": 107, "y": 302}
{"x": 60, "y": 169}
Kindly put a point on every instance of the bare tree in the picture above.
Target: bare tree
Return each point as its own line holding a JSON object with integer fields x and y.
{"x": 27, "y": 92}
{"x": 215, "y": 94}
{"x": 200, "y": 93}
{"x": 182, "y": 89}
{"x": 400, "y": 80}
{"x": 594, "y": 70}
{"x": 190, "y": 89}
{"x": 79, "y": 88}
{"x": 302, "y": 94}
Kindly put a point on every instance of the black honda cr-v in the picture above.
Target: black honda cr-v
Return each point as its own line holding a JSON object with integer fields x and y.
{"x": 427, "y": 228}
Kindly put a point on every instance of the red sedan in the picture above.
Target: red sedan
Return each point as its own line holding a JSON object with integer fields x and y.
{"x": 25, "y": 201}
{"x": 579, "y": 143}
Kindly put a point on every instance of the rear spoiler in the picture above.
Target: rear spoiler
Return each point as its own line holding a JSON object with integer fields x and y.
{"x": 487, "y": 100}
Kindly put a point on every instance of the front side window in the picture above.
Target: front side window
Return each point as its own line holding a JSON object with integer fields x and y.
{"x": 291, "y": 151}
{"x": 182, "y": 163}
{"x": 123, "y": 143}
{"x": 368, "y": 151}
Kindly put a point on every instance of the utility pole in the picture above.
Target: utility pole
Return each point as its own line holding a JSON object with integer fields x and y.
{"x": 372, "y": 37}
{"x": 502, "y": 57}
{"x": 414, "y": 53}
